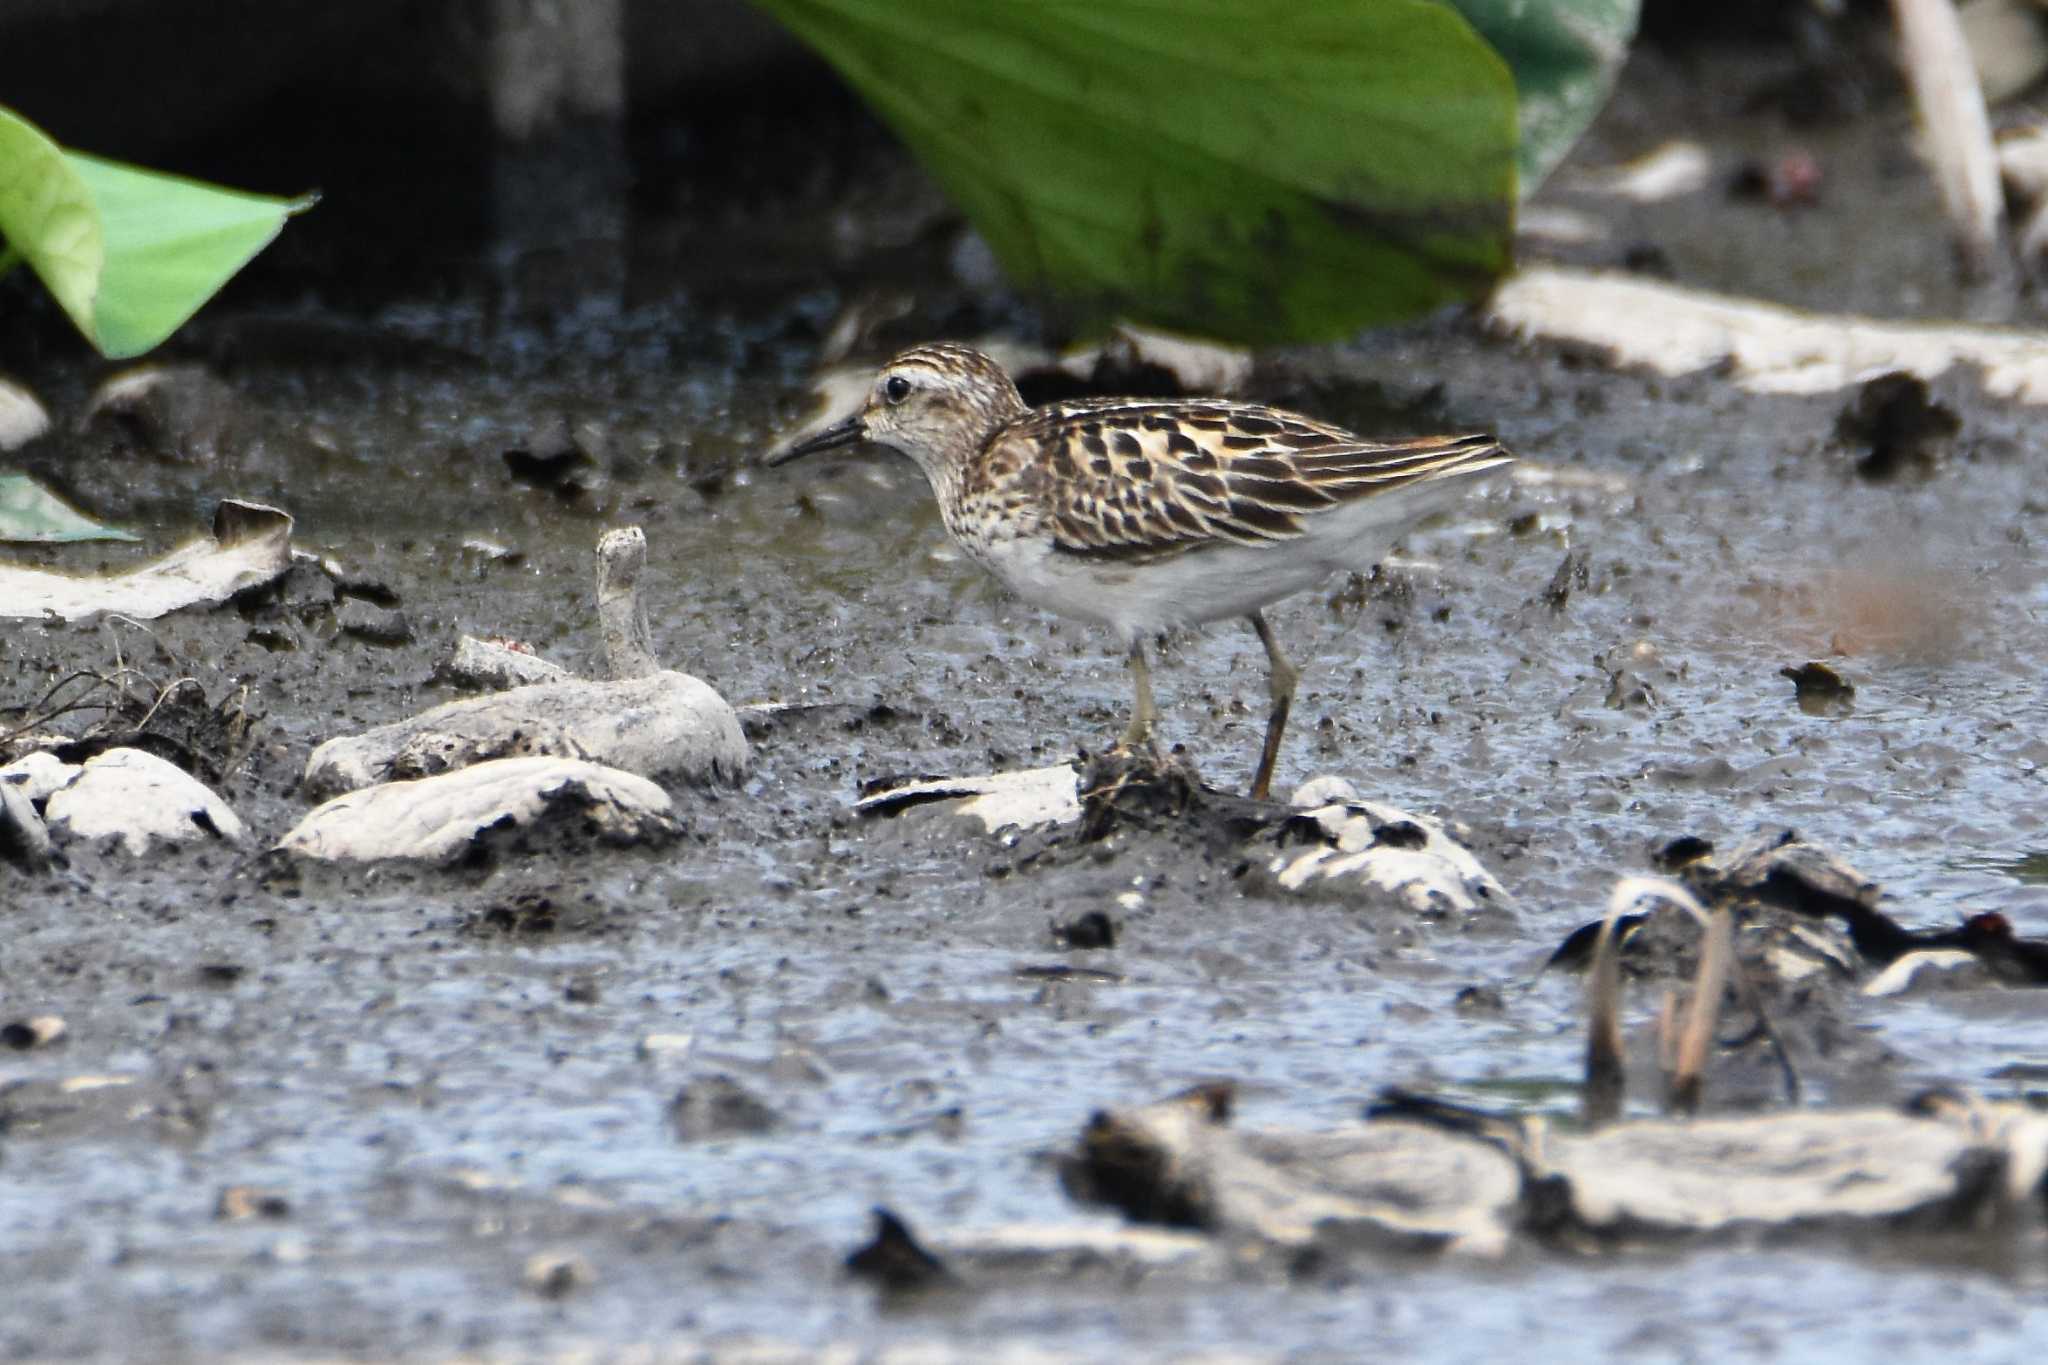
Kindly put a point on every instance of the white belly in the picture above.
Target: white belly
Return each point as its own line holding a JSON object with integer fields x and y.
{"x": 1216, "y": 583}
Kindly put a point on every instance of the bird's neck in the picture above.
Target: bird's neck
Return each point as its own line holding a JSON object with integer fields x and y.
{"x": 949, "y": 467}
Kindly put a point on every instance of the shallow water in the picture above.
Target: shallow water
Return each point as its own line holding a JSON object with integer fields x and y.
{"x": 436, "y": 1104}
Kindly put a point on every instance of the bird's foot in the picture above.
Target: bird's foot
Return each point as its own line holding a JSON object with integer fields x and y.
{"x": 1134, "y": 782}
{"x": 1136, "y": 749}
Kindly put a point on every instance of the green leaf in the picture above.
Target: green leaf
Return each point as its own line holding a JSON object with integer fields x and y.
{"x": 130, "y": 254}
{"x": 1565, "y": 55}
{"x": 1255, "y": 170}
{"x": 47, "y": 217}
{"x": 30, "y": 512}
{"x": 171, "y": 244}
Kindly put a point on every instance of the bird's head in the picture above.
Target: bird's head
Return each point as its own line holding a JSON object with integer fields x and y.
{"x": 937, "y": 404}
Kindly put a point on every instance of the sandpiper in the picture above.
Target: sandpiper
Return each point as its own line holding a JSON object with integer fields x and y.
{"x": 1139, "y": 514}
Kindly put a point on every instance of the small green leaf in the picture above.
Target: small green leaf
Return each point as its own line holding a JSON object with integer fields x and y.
{"x": 47, "y": 217}
{"x": 1255, "y": 170}
{"x": 129, "y": 254}
{"x": 29, "y": 512}
{"x": 1565, "y": 55}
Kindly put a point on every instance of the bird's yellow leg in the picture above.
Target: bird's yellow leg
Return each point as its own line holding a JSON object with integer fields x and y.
{"x": 1143, "y": 713}
{"x": 1283, "y": 677}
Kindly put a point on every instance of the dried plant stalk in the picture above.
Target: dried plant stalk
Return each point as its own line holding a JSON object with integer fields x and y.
{"x": 1958, "y": 133}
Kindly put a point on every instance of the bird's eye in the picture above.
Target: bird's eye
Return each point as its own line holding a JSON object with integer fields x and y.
{"x": 897, "y": 389}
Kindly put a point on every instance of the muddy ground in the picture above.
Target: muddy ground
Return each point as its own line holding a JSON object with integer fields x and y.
{"x": 440, "y": 1076}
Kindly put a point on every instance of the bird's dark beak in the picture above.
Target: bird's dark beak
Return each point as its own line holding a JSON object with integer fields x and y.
{"x": 845, "y": 433}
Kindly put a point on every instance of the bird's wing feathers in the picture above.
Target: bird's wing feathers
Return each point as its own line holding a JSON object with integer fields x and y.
{"x": 1139, "y": 480}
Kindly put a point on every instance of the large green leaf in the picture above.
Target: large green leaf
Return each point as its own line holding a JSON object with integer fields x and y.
{"x": 1258, "y": 170}
{"x": 30, "y": 512}
{"x": 1565, "y": 55}
{"x": 130, "y": 254}
{"x": 171, "y": 244}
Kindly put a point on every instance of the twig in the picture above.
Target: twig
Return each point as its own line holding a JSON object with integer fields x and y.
{"x": 37, "y": 717}
{"x": 162, "y": 696}
{"x": 1951, "y": 103}
{"x": 1683, "y": 1088}
{"x": 1606, "y": 1079}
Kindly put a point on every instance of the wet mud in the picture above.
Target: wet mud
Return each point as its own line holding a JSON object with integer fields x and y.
{"x": 562, "y": 1097}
